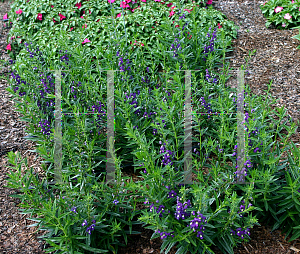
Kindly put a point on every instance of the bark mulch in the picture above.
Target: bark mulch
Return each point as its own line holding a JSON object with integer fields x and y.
{"x": 276, "y": 58}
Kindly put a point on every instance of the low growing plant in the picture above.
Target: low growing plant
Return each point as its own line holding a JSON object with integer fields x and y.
{"x": 150, "y": 134}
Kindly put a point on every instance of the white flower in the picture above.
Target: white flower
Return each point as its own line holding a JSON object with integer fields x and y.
{"x": 287, "y": 16}
{"x": 278, "y": 9}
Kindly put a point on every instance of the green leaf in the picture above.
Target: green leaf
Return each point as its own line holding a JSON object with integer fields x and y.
{"x": 295, "y": 236}
{"x": 268, "y": 24}
{"x": 91, "y": 248}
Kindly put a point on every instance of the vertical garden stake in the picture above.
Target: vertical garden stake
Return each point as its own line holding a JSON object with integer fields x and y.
{"x": 110, "y": 164}
{"x": 57, "y": 133}
{"x": 188, "y": 130}
{"x": 240, "y": 128}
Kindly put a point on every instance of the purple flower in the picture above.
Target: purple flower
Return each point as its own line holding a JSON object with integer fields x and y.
{"x": 90, "y": 228}
{"x": 232, "y": 232}
{"x": 84, "y": 223}
{"x": 172, "y": 194}
{"x": 115, "y": 201}
{"x": 74, "y": 209}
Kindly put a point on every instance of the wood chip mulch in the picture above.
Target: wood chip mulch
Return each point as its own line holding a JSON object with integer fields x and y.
{"x": 276, "y": 58}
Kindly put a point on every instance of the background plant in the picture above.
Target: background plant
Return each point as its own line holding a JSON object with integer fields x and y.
{"x": 284, "y": 14}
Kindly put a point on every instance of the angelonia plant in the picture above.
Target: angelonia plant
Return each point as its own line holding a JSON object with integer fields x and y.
{"x": 83, "y": 213}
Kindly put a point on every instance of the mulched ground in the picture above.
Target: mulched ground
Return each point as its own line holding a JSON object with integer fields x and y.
{"x": 276, "y": 58}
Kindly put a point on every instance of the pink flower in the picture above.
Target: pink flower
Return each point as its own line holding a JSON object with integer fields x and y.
{"x": 124, "y": 4}
{"x": 39, "y": 16}
{"x": 171, "y": 13}
{"x": 143, "y": 43}
{"x": 5, "y": 16}
{"x": 71, "y": 28}
{"x": 54, "y": 20}
{"x": 173, "y": 7}
{"x": 52, "y": 6}
{"x": 157, "y": 0}
{"x": 219, "y": 26}
{"x": 169, "y": 5}
{"x": 283, "y": 24}
{"x": 145, "y": 1}
{"x": 81, "y": 17}
{"x": 189, "y": 11}
{"x": 19, "y": 11}
{"x": 111, "y": 1}
{"x": 8, "y": 47}
{"x": 78, "y": 5}
{"x": 85, "y": 41}
{"x": 209, "y": 2}
{"x": 119, "y": 15}
{"x": 287, "y": 16}
{"x": 85, "y": 26}
{"x": 293, "y": 1}
{"x": 61, "y": 17}
{"x": 278, "y": 9}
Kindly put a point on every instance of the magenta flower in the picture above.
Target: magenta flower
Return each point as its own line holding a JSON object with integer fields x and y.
{"x": 293, "y": 1}
{"x": 54, "y": 20}
{"x": 171, "y": 13}
{"x": 278, "y": 9}
{"x": 119, "y": 15}
{"x": 144, "y": 1}
{"x": 52, "y": 6}
{"x": 78, "y": 5}
{"x": 5, "y": 16}
{"x": 61, "y": 17}
{"x": 85, "y": 26}
{"x": 19, "y": 11}
{"x": 40, "y": 16}
{"x": 8, "y": 47}
{"x": 111, "y": 1}
{"x": 85, "y": 41}
{"x": 124, "y": 4}
{"x": 287, "y": 16}
{"x": 209, "y": 2}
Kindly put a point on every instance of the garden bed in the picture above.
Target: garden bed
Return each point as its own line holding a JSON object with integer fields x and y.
{"x": 17, "y": 238}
